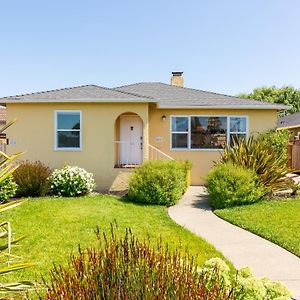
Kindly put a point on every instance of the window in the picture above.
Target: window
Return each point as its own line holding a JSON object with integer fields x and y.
{"x": 68, "y": 130}
{"x": 206, "y": 132}
{"x": 238, "y": 129}
{"x": 180, "y": 132}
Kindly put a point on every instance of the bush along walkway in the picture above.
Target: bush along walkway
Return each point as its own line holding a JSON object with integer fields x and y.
{"x": 241, "y": 247}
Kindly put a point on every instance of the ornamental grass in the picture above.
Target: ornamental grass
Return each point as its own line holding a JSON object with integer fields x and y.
{"x": 125, "y": 268}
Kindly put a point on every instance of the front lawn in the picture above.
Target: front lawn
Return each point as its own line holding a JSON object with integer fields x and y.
{"x": 276, "y": 220}
{"x": 56, "y": 226}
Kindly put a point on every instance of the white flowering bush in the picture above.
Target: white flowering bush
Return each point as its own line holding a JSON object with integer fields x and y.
{"x": 71, "y": 182}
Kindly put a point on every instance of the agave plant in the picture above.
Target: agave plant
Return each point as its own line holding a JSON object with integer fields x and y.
{"x": 257, "y": 155}
{"x": 7, "y": 167}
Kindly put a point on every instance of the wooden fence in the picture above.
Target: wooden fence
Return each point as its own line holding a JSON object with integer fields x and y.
{"x": 293, "y": 150}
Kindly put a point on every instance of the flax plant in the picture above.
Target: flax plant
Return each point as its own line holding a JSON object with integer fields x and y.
{"x": 7, "y": 264}
{"x": 259, "y": 156}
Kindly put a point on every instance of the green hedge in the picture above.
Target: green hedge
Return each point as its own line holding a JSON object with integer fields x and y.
{"x": 230, "y": 185}
{"x": 159, "y": 182}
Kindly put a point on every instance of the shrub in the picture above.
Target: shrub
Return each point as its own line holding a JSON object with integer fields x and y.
{"x": 125, "y": 268}
{"x": 258, "y": 154}
{"x": 71, "y": 181}
{"x": 277, "y": 141}
{"x": 159, "y": 182}
{"x": 32, "y": 179}
{"x": 230, "y": 185}
{"x": 8, "y": 189}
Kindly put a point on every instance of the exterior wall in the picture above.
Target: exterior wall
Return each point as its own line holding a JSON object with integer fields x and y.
{"x": 34, "y": 133}
{"x": 202, "y": 160}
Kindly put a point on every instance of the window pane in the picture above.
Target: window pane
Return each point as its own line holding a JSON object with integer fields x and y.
{"x": 68, "y": 139}
{"x": 179, "y": 140}
{"x": 236, "y": 137}
{"x": 68, "y": 120}
{"x": 180, "y": 124}
{"x": 237, "y": 124}
{"x": 208, "y": 132}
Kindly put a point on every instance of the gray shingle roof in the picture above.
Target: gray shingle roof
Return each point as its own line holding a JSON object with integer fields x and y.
{"x": 84, "y": 93}
{"x": 166, "y": 96}
{"x": 292, "y": 120}
{"x": 173, "y": 96}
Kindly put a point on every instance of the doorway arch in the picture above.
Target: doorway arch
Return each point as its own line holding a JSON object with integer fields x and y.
{"x": 128, "y": 140}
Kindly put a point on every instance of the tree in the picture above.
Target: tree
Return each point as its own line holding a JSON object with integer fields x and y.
{"x": 287, "y": 95}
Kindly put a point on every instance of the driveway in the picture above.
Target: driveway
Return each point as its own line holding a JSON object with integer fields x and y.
{"x": 241, "y": 247}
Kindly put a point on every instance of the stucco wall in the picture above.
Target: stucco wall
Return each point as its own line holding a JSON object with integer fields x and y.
{"x": 34, "y": 133}
{"x": 202, "y": 160}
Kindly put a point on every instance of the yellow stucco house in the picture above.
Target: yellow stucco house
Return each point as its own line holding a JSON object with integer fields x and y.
{"x": 110, "y": 131}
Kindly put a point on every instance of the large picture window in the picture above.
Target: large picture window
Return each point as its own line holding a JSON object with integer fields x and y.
{"x": 206, "y": 132}
{"x": 68, "y": 130}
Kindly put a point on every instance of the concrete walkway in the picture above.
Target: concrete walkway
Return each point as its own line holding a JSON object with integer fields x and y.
{"x": 241, "y": 247}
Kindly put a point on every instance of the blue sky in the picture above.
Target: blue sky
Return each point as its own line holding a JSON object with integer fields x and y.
{"x": 227, "y": 46}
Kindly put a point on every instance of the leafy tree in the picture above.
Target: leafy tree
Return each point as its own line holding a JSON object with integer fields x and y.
{"x": 287, "y": 95}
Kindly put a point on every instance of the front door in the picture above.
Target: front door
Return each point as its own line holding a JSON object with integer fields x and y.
{"x": 131, "y": 140}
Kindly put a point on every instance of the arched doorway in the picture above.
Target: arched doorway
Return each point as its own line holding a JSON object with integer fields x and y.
{"x": 129, "y": 140}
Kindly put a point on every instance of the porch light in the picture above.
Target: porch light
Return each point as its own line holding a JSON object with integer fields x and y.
{"x": 164, "y": 118}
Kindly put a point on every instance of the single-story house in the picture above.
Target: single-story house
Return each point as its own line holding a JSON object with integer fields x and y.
{"x": 292, "y": 123}
{"x": 2, "y": 123}
{"x": 2, "y": 115}
{"x": 108, "y": 131}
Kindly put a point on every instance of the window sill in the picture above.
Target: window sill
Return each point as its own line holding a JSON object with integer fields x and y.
{"x": 68, "y": 149}
{"x": 196, "y": 150}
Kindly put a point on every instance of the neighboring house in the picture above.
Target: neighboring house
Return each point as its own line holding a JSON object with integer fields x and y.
{"x": 2, "y": 123}
{"x": 292, "y": 123}
{"x": 109, "y": 131}
{"x": 2, "y": 115}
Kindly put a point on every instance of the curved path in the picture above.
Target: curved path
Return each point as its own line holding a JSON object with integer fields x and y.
{"x": 241, "y": 247}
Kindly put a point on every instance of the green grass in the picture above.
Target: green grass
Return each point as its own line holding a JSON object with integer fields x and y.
{"x": 275, "y": 220}
{"x": 56, "y": 226}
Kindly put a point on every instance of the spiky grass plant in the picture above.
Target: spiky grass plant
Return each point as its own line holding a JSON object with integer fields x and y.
{"x": 7, "y": 260}
{"x": 259, "y": 156}
{"x": 125, "y": 268}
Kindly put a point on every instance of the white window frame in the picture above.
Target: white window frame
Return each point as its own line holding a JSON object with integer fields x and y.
{"x": 188, "y": 133}
{"x": 56, "y": 148}
{"x": 228, "y": 133}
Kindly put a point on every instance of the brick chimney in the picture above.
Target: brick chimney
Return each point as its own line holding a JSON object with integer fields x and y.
{"x": 177, "y": 79}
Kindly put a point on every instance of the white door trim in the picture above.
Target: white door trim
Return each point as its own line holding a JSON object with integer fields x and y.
{"x": 131, "y": 140}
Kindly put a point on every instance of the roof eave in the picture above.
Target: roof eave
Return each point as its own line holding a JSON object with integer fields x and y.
{"x": 288, "y": 127}
{"x": 78, "y": 100}
{"x": 263, "y": 107}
